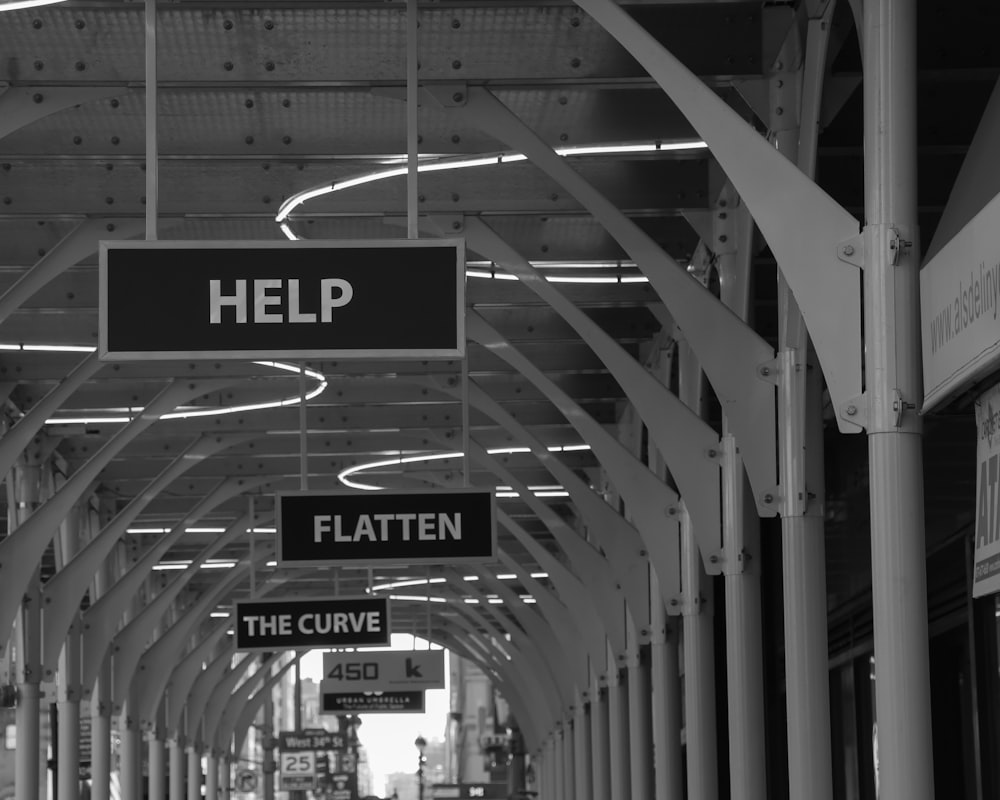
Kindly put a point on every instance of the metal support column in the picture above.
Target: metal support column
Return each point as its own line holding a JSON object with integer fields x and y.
{"x": 894, "y": 392}
{"x": 599, "y": 743}
{"x": 744, "y": 653}
{"x": 640, "y": 724}
{"x": 175, "y": 750}
{"x": 554, "y": 758}
{"x": 618, "y": 743}
{"x": 26, "y": 496}
{"x": 68, "y": 714}
{"x": 800, "y": 448}
{"x": 699, "y": 671}
{"x": 68, "y": 688}
{"x": 100, "y": 700}
{"x": 211, "y": 777}
{"x": 665, "y": 700}
{"x": 582, "y": 755}
{"x": 193, "y": 773}
{"x": 100, "y": 737}
{"x": 157, "y": 750}
{"x": 568, "y": 757}
{"x": 131, "y": 755}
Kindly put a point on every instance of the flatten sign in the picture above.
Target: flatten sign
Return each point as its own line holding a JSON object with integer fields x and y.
{"x": 393, "y": 298}
{"x": 372, "y": 702}
{"x": 421, "y": 526}
{"x": 308, "y": 624}
{"x": 382, "y": 671}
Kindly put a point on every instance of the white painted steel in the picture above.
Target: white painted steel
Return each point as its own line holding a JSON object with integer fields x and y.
{"x": 744, "y": 634}
{"x": 899, "y": 582}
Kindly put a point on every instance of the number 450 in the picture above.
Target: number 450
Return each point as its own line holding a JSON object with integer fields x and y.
{"x": 355, "y": 671}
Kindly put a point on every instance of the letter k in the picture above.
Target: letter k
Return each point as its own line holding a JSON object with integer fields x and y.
{"x": 412, "y": 671}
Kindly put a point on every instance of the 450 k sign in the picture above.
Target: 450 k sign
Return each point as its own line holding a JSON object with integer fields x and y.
{"x": 383, "y": 671}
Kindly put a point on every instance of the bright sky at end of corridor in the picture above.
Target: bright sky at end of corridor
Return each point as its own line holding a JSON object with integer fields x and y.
{"x": 388, "y": 738}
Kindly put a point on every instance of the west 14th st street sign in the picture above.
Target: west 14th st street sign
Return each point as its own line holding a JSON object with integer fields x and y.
{"x": 392, "y": 298}
{"x": 420, "y": 526}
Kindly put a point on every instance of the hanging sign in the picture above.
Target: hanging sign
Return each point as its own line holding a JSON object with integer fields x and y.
{"x": 382, "y": 671}
{"x": 986, "y": 570}
{"x": 313, "y": 623}
{"x": 311, "y": 740}
{"x": 411, "y": 527}
{"x": 392, "y": 298}
{"x": 372, "y": 702}
{"x": 960, "y": 308}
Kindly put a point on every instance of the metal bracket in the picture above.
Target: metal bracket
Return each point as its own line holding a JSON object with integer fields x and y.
{"x": 897, "y": 247}
{"x": 769, "y": 371}
{"x": 899, "y": 406}
{"x": 855, "y": 410}
{"x": 772, "y": 498}
{"x": 448, "y": 95}
{"x": 852, "y": 251}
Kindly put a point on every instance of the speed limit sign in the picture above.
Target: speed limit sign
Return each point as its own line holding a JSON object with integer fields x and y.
{"x": 298, "y": 769}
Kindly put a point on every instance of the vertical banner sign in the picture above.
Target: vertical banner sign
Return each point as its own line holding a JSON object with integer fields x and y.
{"x": 986, "y": 575}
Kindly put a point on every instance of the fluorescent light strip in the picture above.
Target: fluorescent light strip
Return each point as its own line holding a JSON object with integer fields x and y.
{"x": 131, "y": 413}
{"x": 493, "y": 159}
{"x": 14, "y": 5}
{"x": 344, "y": 475}
{"x": 400, "y": 584}
{"x": 417, "y": 598}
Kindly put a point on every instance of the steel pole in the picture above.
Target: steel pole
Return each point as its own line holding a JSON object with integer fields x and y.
{"x": 640, "y": 727}
{"x": 68, "y": 736}
{"x": 568, "y": 770}
{"x": 100, "y": 736}
{"x": 699, "y": 671}
{"x": 157, "y": 750}
{"x": 193, "y": 773}
{"x": 618, "y": 743}
{"x": 130, "y": 753}
{"x": 582, "y": 757}
{"x": 211, "y": 777}
{"x": 26, "y": 482}
{"x": 894, "y": 392}
{"x": 665, "y": 697}
{"x": 599, "y": 740}
{"x": 26, "y": 718}
{"x": 800, "y": 454}
{"x": 744, "y": 656}
{"x": 175, "y": 749}
{"x": 555, "y": 761}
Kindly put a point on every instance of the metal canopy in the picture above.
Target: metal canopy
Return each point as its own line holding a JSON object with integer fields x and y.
{"x": 258, "y": 101}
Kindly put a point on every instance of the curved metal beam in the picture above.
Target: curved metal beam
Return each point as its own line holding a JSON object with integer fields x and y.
{"x": 101, "y": 619}
{"x": 24, "y": 546}
{"x": 62, "y": 593}
{"x": 811, "y": 235}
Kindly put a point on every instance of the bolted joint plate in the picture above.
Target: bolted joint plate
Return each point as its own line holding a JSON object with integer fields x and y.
{"x": 448, "y": 95}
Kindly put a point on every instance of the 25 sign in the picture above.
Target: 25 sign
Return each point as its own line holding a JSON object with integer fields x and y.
{"x": 300, "y": 764}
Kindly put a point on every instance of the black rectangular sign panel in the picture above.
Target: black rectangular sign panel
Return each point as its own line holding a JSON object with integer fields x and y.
{"x": 291, "y": 741}
{"x": 421, "y": 526}
{"x": 372, "y": 702}
{"x": 393, "y": 298}
{"x": 314, "y": 623}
